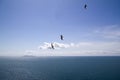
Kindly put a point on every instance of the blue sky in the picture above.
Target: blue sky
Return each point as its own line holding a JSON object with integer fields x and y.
{"x": 27, "y": 26}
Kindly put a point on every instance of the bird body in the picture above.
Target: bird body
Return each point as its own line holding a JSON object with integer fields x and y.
{"x": 61, "y": 37}
{"x": 85, "y": 6}
{"x": 52, "y": 46}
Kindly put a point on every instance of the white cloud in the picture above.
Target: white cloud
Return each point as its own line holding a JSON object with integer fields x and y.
{"x": 56, "y": 45}
{"x": 45, "y": 46}
{"x": 79, "y": 49}
{"x": 111, "y": 32}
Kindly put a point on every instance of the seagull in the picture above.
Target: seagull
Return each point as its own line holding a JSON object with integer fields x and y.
{"x": 85, "y": 6}
{"x": 61, "y": 37}
{"x": 52, "y": 46}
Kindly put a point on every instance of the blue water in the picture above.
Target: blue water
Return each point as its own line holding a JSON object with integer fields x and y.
{"x": 60, "y": 68}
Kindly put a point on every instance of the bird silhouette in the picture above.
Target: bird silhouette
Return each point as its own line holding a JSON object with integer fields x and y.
{"x": 85, "y": 6}
{"x": 52, "y": 46}
{"x": 61, "y": 37}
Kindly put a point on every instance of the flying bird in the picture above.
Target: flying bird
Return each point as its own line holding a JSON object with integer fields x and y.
{"x": 61, "y": 37}
{"x": 85, "y": 6}
{"x": 52, "y": 46}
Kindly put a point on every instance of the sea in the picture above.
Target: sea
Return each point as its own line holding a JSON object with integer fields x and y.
{"x": 60, "y": 68}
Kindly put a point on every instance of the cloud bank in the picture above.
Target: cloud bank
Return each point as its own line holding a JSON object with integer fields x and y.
{"x": 78, "y": 49}
{"x": 56, "y": 45}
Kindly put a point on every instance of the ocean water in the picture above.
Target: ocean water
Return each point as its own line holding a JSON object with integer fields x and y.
{"x": 60, "y": 68}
